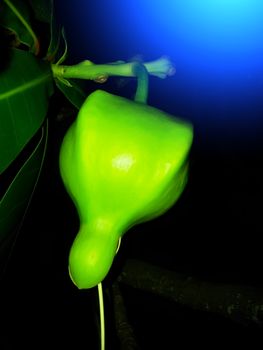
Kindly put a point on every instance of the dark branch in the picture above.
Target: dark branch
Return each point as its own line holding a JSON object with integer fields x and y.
{"x": 243, "y": 304}
{"x": 124, "y": 330}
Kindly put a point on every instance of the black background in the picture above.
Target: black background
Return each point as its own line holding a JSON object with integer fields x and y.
{"x": 213, "y": 232}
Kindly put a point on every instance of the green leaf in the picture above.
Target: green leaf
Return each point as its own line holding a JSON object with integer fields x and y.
{"x": 16, "y": 199}
{"x": 74, "y": 93}
{"x": 55, "y": 44}
{"x": 25, "y": 88}
{"x": 15, "y": 16}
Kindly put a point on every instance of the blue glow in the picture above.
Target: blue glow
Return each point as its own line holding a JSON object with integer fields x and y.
{"x": 220, "y": 32}
{"x": 217, "y": 47}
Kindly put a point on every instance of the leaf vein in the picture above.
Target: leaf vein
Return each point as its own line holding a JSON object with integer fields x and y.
{"x": 25, "y": 86}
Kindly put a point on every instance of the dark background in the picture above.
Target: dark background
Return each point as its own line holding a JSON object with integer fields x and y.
{"x": 213, "y": 232}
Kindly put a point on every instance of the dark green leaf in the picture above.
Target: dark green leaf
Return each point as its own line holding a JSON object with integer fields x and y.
{"x": 42, "y": 9}
{"x": 10, "y": 20}
{"x": 16, "y": 199}
{"x": 55, "y": 44}
{"x": 74, "y": 93}
{"x": 25, "y": 88}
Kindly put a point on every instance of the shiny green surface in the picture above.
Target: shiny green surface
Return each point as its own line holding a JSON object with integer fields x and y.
{"x": 25, "y": 88}
{"x": 122, "y": 163}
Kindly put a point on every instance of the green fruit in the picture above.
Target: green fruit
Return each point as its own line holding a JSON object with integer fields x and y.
{"x": 122, "y": 163}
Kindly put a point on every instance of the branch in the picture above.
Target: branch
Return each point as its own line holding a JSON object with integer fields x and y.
{"x": 160, "y": 68}
{"x": 124, "y": 329}
{"x": 242, "y": 304}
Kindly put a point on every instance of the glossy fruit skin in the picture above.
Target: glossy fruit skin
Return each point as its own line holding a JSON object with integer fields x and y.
{"x": 122, "y": 163}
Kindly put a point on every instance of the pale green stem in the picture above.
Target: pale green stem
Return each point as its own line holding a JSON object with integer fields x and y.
{"x": 87, "y": 70}
{"x": 102, "y": 319}
{"x": 142, "y": 85}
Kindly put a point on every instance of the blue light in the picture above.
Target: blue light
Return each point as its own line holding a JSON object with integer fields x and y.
{"x": 218, "y": 49}
{"x": 216, "y": 45}
{"x": 216, "y": 31}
